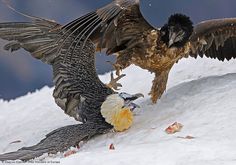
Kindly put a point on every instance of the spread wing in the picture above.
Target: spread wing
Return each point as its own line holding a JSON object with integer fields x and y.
{"x": 114, "y": 27}
{"x": 35, "y": 37}
{"x": 214, "y": 39}
{"x": 74, "y": 73}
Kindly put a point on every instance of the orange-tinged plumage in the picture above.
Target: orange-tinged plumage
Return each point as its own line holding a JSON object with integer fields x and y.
{"x": 122, "y": 120}
{"x": 116, "y": 114}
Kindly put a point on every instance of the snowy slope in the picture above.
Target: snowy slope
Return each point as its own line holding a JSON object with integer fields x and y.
{"x": 201, "y": 95}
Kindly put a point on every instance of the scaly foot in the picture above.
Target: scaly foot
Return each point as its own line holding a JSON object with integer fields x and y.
{"x": 114, "y": 82}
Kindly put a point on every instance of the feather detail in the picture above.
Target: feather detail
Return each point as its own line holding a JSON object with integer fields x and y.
{"x": 114, "y": 113}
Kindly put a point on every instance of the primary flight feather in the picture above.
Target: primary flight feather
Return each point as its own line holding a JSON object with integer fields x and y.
{"x": 78, "y": 89}
{"x": 120, "y": 28}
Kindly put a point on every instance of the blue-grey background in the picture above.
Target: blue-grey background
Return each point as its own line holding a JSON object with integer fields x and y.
{"x": 20, "y": 73}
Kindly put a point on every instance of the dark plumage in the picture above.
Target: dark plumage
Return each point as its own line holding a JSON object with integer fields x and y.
{"x": 120, "y": 28}
{"x": 78, "y": 90}
{"x": 177, "y": 22}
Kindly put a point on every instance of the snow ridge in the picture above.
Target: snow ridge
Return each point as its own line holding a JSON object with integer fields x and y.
{"x": 201, "y": 95}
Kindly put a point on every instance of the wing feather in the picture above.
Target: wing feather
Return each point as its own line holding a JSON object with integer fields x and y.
{"x": 214, "y": 39}
{"x": 74, "y": 72}
{"x": 110, "y": 27}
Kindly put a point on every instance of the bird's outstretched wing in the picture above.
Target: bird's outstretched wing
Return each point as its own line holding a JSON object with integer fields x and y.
{"x": 113, "y": 27}
{"x": 74, "y": 72}
{"x": 35, "y": 37}
{"x": 214, "y": 39}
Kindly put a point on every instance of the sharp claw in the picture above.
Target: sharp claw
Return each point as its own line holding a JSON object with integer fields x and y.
{"x": 112, "y": 76}
{"x": 116, "y": 86}
{"x": 120, "y": 77}
{"x": 119, "y": 85}
{"x": 114, "y": 81}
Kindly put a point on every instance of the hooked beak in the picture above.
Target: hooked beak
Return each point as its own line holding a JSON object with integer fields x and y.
{"x": 129, "y": 97}
{"x": 172, "y": 38}
{"x": 129, "y": 100}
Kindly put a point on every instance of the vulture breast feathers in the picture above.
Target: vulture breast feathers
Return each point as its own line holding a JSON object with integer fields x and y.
{"x": 120, "y": 28}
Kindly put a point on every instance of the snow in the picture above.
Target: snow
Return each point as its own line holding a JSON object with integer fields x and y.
{"x": 201, "y": 95}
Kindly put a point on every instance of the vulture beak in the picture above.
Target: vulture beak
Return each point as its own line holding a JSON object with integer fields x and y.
{"x": 117, "y": 110}
{"x": 172, "y": 38}
{"x": 128, "y": 98}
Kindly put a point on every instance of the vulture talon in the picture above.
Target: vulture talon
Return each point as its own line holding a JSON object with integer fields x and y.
{"x": 114, "y": 81}
{"x": 120, "y": 28}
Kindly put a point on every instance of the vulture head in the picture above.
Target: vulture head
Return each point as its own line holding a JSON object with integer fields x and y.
{"x": 177, "y": 31}
{"x": 117, "y": 110}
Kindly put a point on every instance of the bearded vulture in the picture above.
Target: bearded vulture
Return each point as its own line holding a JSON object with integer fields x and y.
{"x": 118, "y": 28}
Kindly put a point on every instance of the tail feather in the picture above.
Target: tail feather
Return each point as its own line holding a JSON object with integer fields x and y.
{"x": 58, "y": 140}
{"x": 23, "y": 155}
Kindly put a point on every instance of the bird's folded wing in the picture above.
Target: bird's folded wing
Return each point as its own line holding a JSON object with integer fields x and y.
{"x": 113, "y": 27}
{"x": 214, "y": 39}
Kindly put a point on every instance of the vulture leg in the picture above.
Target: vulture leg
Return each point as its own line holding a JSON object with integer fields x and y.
{"x": 159, "y": 85}
{"x": 114, "y": 82}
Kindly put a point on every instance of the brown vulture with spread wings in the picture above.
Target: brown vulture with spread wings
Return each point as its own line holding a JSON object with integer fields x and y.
{"x": 120, "y": 28}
